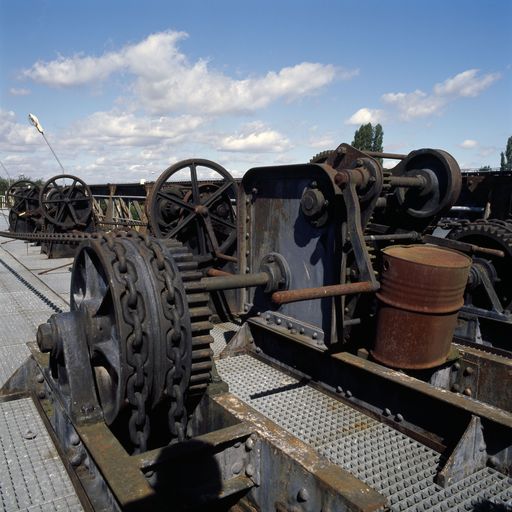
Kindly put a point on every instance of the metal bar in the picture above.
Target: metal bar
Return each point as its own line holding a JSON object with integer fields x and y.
{"x": 103, "y": 196}
{"x": 234, "y": 281}
{"x": 129, "y": 486}
{"x": 408, "y": 181}
{"x": 380, "y": 154}
{"x": 216, "y": 272}
{"x": 440, "y": 395}
{"x": 462, "y": 246}
{"x": 336, "y": 290}
{"x": 208, "y": 441}
{"x": 412, "y": 235}
{"x": 54, "y": 268}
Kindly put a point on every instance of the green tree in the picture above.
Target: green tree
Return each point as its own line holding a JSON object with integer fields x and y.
{"x": 369, "y": 138}
{"x": 506, "y": 157}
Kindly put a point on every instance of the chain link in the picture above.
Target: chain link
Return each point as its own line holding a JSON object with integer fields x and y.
{"x": 178, "y": 348}
{"x": 137, "y": 345}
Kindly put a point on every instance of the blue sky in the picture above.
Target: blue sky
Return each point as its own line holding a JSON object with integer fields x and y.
{"x": 124, "y": 89}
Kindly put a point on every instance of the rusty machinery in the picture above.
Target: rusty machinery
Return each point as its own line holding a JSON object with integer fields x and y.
{"x": 127, "y": 380}
{"x": 25, "y": 215}
{"x": 194, "y": 202}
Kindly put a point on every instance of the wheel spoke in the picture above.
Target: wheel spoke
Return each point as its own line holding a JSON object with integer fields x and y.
{"x": 222, "y": 221}
{"x": 201, "y": 238}
{"x": 183, "y": 223}
{"x": 176, "y": 200}
{"x": 210, "y": 199}
{"x": 195, "y": 185}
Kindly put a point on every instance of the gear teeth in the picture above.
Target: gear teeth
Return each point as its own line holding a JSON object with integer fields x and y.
{"x": 200, "y": 313}
{"x": 499, "y": 234}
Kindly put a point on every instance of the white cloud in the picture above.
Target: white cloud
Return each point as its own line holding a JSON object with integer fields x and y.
{"x": 15, "y": 137}
{"x": 165, "y": 81}
{"x": 414, "y": 104}
{"x": 466, "y": 84}
{"x": 468, "y": 144}
{"x": 126, "y": 129}
{"x": 19, "y": 92}
{"x": 365, "y": 116}
{"x": 420, "y": 104}
{"x": 255, "y": 138}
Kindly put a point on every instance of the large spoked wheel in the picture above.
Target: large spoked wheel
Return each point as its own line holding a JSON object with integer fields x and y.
{"x": 66, "y": 201}
{"x": 24, "y": 212}
{"x": 192, "y": 202}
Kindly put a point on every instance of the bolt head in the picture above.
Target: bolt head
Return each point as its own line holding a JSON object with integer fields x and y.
{"x": 303, "y": 494}
{"x": 249, "y": 470}
{"x": 45, "y": 339}
{"x": 237, "y": 467}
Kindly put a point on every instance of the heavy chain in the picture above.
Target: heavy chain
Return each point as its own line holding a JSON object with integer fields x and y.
{"x": 178, "y": 348}
{"x": 137, "y": 343}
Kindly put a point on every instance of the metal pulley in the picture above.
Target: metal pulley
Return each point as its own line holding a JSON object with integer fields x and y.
{"x": 144, "y": 337}
{"x": 24, "y": 212}
{"x": 428, "y": 182}
{"x": 200, "y": 215}
{"x": 66, "y": 202}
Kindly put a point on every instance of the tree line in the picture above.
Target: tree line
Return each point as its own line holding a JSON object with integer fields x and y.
{"x": 5, "y": 183}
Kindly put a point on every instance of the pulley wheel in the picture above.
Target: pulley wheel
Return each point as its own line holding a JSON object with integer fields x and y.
{"x": 443, "y": 183}
{"x": 193, "y": 202}
{"x": 66, "y": 201}
{"x": 148, "y": 347}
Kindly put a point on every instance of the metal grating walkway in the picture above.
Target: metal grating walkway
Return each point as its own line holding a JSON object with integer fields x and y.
{"x": 400, "y": 468}
{"x": 32, "y": 476}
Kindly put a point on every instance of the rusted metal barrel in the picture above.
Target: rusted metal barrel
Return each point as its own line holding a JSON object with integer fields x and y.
{"x": 422, "y": 289}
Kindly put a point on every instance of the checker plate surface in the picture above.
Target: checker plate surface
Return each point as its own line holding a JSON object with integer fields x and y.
{"x": 397, "y": 466}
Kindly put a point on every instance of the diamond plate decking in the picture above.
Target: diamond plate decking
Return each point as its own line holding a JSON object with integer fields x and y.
{"x": 387, "y": 460}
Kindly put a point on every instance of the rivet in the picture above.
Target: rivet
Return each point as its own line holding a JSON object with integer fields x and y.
{"x": 76, "y": 459}
{"x": 457, "y": 366}
{"x": 237, "y": 444}
{"x": 258, "y": 350}
{"x": 237, "y": 467}
{"x": 399, "y": 417}
{"x": 315, "y": 335}
{"x": 468, "y": 392}
{"x": 339, "y": 389}
{"x": 29, "y": 434}
{"x": 247, "y": 218}
{"x": 254, "y": 190}
{"x": 249, "y": 470}
{"x": 469, "y": 370}
{"x": 247, "y": 270}
{"x": 74, "y": 439}
{"x": 41, "y": 394}
{"x": 348, "y": 393}
{"x": 301, "y": 330}
{"x": 278, "y": 321}
{"x": 249, "y": 444}
{"x": 251, "y": 340}
{"x": 386, "y": 412}
{"x": 290, "y": 325}
{"x": 40, "y": 377}
{"x": 493, "y": 461}
{"x": 303, "y": 494}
